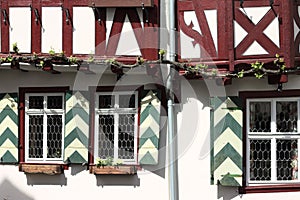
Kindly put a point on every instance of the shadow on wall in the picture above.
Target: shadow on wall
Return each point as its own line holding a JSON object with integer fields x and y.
{"x": 44, "y": 179}
{"x": 117, "y": 180}
{"x": 227, "y": 192}
{"x": 76, "y": 169}
{"x": 8, "y": 192}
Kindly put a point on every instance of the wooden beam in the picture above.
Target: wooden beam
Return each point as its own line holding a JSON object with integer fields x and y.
{"x": 121, "y": 3}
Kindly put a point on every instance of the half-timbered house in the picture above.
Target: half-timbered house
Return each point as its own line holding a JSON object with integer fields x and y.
{"x": 84, "y": 91}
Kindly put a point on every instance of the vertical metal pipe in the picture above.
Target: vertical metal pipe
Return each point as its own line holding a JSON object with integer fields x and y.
{"x": 172, "y": 139}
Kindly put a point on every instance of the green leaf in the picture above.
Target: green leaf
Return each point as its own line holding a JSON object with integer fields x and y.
{"x": 240, "y": 74}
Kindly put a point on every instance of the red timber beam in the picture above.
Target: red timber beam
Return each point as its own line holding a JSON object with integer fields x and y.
{"x": 4, "y": 26}
{"x": 287, "y": 33}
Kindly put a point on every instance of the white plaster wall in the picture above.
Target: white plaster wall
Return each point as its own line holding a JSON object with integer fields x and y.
{"x": 193, "y": 149}
{"x": 52, "y": 32}
{"x": 20, "y": 22}
{"x": 194, "y": 142}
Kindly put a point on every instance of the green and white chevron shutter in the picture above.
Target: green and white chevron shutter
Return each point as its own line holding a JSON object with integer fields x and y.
{"x": 226, "y": 141}
{"x": 76, "y": 127}
{"x": 149, "y": 127}
{"x": 8, "y": 128}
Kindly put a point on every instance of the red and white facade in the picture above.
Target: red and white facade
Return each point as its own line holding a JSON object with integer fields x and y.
{"x": 227, "y": 35}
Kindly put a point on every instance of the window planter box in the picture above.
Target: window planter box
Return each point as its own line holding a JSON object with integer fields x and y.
{"x": 29, "y": 67}
{"x": 49, "y": 169}
{"x": 65, "y": 68}
{"x": 118, "y": 170}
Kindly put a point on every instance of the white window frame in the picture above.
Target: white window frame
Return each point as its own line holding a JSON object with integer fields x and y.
{"x": 273, "y": 136}
{"x": 43, "y": 112}
{"x": 116, "y": 111}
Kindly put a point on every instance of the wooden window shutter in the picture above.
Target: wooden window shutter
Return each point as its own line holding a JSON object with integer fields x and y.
{"x": 149, "y": 127}
{"x": 9, "y": 123}
{"x": 76, "y": 127}
{"x": 226, "y": 141}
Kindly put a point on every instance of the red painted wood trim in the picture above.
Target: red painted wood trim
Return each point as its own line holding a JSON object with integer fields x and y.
{"x": 223, "y": 19}
{"x": 21, "y": 125}
{"x": 80, "y": 2}
{"x": 36, "y": 26}
{"x": 4, "y": 28}
{"x": 151, "y": 32}
{"x": 116, "y": 29}
{"x": 47, "y": 3}
{"x": 287, "y": 33}
{"x": 208, "y": 42}
{"x": 229, "y": 36}
{"x": 297, "y": 21}
{"x": 92, "y": 91}
{"x": 256, "y": 3}
{"x": 269, "y": 94}
{"x": 67, "y": 28}
{"x": 255, "y": 33}
{"x": 137, "y": 29}
{"x": 121, "y": 3}
{"x": 100, "y": 35}
{"x": 270, "y": 188}
{"x": 20, "y": 3}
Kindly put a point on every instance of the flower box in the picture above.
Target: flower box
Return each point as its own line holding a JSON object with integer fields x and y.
{"x": 65, "y": 68}
{"x": 118, "y": 170}
{"x": 30, "y": 67}
{"x": 41, "y": 169}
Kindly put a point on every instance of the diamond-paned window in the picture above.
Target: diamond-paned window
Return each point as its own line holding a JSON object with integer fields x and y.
{"x": 44, "y": 120}
{"x": 273, "y": 137}
{"x": 116, "y": 126}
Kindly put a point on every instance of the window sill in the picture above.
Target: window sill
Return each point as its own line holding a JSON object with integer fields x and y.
{"x": 269, "y": 188}
{"x": 49, "y": 169}
{"x": 113, "y": 170}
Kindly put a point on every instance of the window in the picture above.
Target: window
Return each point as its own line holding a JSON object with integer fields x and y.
{"x": 272, "y": 140}
{"x": 44, "y": 127}
{"x": 116, "y": 117}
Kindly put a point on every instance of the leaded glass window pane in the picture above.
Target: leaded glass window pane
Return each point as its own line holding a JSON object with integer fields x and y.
{"x": 54, "y": 136}
{"x": 127, "y": 101}
{"x": 36, "y": 102}
{"x": 35, "y": 136}
{"x": 260, "y": 116}
{"x": 106, "y": 101}
{"x": 260, "y": 160}
{"x": 106, "y": 136}
{"x": 126, "y": 136}
{"x": 287, "y": 161}
{"x": 286, "y": 116}
{"x": 54, "y": 102}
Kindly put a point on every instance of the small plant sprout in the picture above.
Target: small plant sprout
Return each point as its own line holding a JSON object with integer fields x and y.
{"x": 42, "y": 63}
{"x": 240, "y": 74}
{"x": 73, "y": 60}
{"x": 161, "y": 53}
{"x": 118, "y": 162}
{"x": 51, "y": 52}
{"x": 140, "y": 60}
{"x": 15, "y": 48}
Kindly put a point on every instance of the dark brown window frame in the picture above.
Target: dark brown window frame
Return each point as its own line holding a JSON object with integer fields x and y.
{"x": 268, "y": 188}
